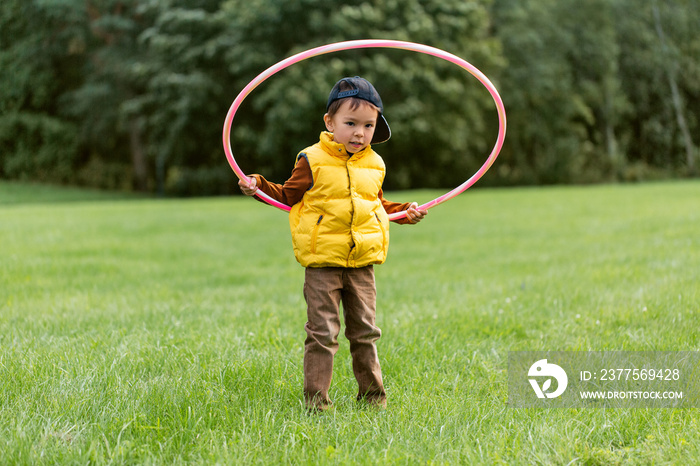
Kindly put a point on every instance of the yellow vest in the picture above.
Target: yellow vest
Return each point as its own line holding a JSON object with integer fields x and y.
{"x": 340, "y": 221}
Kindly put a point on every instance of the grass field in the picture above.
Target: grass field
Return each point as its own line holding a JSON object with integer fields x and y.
{"x": 141, "y": 331}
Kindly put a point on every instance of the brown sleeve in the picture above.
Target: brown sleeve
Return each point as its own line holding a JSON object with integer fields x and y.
{"x": 393, "y": 207}
{"x": 293, "y": 189}
{"x": 301, "y": 181}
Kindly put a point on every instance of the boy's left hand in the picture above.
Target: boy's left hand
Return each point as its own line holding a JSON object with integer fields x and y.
{"x": 414, "y": 215}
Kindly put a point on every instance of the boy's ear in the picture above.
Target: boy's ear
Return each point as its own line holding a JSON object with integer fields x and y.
{"x": 329, "y": 122}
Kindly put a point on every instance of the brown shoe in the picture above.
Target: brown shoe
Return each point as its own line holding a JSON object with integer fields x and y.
{"x": 317, "y": 408}
{"x": 374, "y": 402}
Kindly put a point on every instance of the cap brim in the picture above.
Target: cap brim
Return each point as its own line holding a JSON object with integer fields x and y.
{"x": 382, "y": 132}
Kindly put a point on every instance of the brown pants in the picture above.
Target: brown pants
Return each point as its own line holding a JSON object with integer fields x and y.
{"x": 324, "y": 289}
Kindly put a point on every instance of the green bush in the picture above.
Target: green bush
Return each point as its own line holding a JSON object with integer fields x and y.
{"x": 37, "y": 147}
{"x": 202, "y": 181}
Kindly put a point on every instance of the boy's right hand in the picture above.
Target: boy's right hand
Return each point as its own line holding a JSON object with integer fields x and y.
{"x": 248, "y": 188}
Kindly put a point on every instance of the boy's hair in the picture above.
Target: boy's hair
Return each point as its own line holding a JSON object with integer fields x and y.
{"x": 355, "y": 102}
{"x": 359, "y": 91}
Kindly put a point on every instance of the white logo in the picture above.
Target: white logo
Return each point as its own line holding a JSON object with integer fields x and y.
{"x": 542, "y": 369}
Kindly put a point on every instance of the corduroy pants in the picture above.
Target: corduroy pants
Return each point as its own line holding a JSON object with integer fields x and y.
{"x": 324, "y": 290}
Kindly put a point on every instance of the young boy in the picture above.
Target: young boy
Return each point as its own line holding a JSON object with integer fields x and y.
{"x": 340, "y": 229}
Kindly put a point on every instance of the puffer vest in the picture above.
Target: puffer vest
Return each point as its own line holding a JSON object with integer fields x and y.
{"x": 340, "y": 221}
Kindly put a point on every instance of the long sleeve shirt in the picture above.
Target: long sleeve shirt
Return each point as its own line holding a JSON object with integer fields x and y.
{"x": 301, "y": 180}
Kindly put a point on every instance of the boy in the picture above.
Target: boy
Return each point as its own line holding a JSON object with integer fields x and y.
{"x": 340, "y": 229}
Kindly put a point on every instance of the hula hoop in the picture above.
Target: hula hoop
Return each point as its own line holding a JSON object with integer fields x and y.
{"x": 359, "y": 44}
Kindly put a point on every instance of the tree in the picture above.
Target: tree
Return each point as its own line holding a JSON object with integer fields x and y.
{"x": 183, "y": 96}
{"x": 39, "y": 53}
{"x": 593, "y": 58}
{"x": 671, "y": 69}
{"x": 152, "y": 83}
{"x": 537, "y": 87}
{"x": 659, "y": 70}
{"x": 132, "y": 94}
{"x": 440, "y": 116}
{"x": 562, "y": 90}
{"x": 112, "y": 138}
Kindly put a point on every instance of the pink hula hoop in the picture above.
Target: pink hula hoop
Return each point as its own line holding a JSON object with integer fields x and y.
{"x": 359, "y": 44}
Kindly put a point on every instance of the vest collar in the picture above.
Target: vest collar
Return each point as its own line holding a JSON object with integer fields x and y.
{"x": 337, "y": 149}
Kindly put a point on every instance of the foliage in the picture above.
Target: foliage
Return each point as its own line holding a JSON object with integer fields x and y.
{"x": 35, "y": 142}
{"x": 426, "y": 98}
{"x": 37, "y": 147}
{"x": 587, "y": 92}
{"x": 664, "y": 62}
{"x": 131, "y": 94}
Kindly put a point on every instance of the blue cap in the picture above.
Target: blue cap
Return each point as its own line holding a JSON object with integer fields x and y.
{"x": 363, "y": 89}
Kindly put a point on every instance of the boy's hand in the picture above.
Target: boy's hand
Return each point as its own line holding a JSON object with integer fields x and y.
{"x": 248, "y": 188}
{"x": 414, "y": 215}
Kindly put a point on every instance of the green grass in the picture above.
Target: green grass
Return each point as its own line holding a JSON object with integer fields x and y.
{"x": 137, "y": 331}
{"x": 12, "y": 193}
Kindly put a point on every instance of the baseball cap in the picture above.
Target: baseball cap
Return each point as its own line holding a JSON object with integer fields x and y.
{"x": 363, "y": 89}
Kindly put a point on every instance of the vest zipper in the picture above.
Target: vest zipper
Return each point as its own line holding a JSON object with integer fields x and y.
{"x": 381, "y": 227}
{"x": 314, "y": 234}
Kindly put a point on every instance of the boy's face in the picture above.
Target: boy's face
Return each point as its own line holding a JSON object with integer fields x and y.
{"x": 353, "y": 128}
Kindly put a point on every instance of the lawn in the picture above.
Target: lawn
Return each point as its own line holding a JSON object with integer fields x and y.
{"x": 145, "y": 331}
